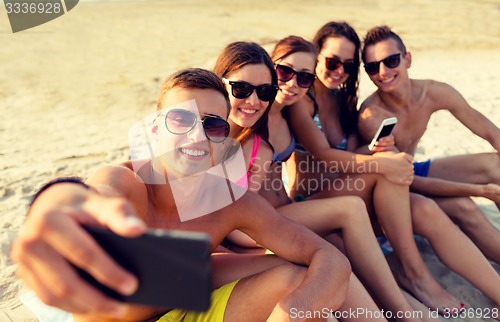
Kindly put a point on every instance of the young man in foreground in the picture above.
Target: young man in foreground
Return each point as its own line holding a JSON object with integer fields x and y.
{"x": 190, "y": 132}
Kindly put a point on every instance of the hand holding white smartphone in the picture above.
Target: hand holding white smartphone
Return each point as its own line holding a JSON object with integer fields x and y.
{"x": 384, "y": 130}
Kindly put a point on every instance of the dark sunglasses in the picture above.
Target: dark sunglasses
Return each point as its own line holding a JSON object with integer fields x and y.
{"x": 333, "y": 63}
{"x": 304, "y": 79}
{"x": 392, "y": 61}
{"x": 179, "y": 121}
{"x": 240, "y": 89}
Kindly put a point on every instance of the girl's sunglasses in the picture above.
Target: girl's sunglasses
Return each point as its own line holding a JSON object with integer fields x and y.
{"x": 304, "y": 79}
{"x": 392, "y": 61}
{"x": 240, "y": 89}
{"x": 179, "y": 121}
{"x": 333, "y": 63}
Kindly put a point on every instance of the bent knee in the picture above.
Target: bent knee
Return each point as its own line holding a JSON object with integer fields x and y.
{"x": 423, "y": 208}
{"x": 464, "y": 211}
{"x": 463, "y": 205}
{"x": 353, "y": 209}
{"x": 493, "y": 169}
{"x": 427, "y": 215}
{"x": 289, "y": 276}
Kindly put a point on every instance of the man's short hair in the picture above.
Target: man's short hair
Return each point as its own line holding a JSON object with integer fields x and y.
{"x": 378, "y": 34}
{"x": 196, "y": 78}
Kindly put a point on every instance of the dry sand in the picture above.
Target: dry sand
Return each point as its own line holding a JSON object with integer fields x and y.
{"x": 71, "y": 88}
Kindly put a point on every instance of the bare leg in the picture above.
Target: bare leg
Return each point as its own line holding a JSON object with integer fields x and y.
{"x": 479, "y": 168}
{"x": 254, "y": 297}
{"x": 413, "y": 274}
{"x": 470, "y": 168}
{"x": 464, "y": 212}
{"x": 391, "y": 204}
{"x": 265, "y": 280}
{"x": 358, "y": 300}
{"x": 229, "y": 267}
{"x": 423, "y": 312}
{"x": 454, "y": 248}
{"x": 349, "y": 214}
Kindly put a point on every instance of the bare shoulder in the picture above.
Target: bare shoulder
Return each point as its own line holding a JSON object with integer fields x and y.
{"x": 435, "y": 91}
{"x": 438, "y": 95}
{"x": 372, "y": 109}
{"x": 371, "y": 100}
{"x": 118, "y": 180}
{"x": 372, "y": 105}
{"x": 306, "y": 104}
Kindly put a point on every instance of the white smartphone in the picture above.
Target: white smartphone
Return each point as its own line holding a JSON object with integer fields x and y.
{"x": 384, "y": 129}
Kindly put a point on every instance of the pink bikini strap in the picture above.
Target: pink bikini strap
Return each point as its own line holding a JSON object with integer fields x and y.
{"x": 255, "y": 150}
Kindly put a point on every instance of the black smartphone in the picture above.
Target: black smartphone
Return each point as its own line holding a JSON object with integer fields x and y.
{"x": 384, "y": 129}
{"x": 173, "y": 267}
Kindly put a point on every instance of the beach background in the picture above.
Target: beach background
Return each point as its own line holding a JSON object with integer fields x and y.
{"x": 70, "y": 89}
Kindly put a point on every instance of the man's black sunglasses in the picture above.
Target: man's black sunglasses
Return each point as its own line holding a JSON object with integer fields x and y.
{"x": 391, "y": 61}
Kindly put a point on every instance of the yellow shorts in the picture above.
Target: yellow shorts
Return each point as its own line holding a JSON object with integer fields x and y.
{"x": 215, "y": 312}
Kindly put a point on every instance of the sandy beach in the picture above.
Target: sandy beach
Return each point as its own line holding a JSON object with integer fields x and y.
{"x": 70, "y": 89}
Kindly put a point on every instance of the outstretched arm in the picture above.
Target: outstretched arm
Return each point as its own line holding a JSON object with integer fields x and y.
{"x": 52, "y": 237}
{"x": 449, "y": 98}
{"x": 444, "y": 188}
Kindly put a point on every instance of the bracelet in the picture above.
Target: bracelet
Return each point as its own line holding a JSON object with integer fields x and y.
{"x": 49, "y": 184}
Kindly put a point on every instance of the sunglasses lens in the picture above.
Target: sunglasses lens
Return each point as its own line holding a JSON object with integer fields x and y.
{"x": 285, "y": 73}
{"x": 349, "y": 67}
{"x": 216, "y": 129}
{"x": 392, "y": 61}
{"x": 372, "y": 68}
{"x": 241, "y": 90}
{"x": 266, "y": 92}
{"x": 180, "y": 121}
{"x": 332, "y": 63}
{"x": 305, "y": 80}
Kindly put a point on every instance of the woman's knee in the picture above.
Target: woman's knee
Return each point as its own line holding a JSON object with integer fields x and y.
{"x": 426, "y": 215}
{"x": 423, "y": 207}
{"x": 353, "y": 210}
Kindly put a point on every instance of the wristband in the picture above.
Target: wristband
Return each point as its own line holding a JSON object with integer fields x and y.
{"x": 49, "y": 184}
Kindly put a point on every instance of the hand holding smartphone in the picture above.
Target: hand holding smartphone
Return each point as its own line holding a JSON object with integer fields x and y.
{"x": 384, "y": 130}
{"x": 173, "y": 267}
